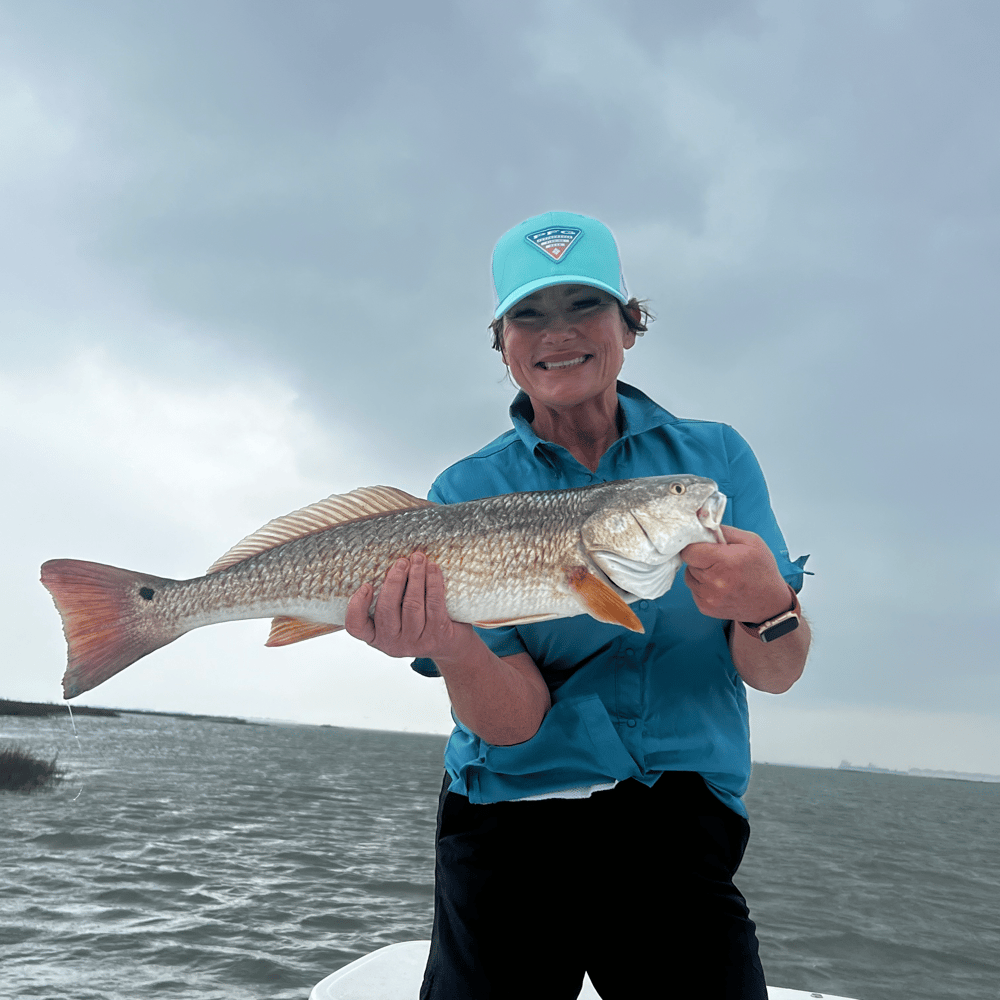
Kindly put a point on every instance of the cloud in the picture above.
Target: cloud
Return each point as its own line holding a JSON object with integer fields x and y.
{"x": 154, "y": 473}
{"x": 245, "y": 263}
{"x": 196, "y": 454}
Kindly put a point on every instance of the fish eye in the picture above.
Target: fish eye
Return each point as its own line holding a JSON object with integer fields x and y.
{"x": 678, "y": 489}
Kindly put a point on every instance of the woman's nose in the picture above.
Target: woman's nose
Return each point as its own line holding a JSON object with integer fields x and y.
{"x": 560, "y": 325}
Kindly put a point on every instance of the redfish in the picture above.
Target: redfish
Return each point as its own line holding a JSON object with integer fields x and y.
{"x": 506, "y": 560}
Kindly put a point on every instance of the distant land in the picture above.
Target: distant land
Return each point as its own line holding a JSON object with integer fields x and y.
{"x": 48, "y": 708}
{"x": 919, "y": 772}
{"x": 36, "y": 708}
{"x": 32, "y": 708}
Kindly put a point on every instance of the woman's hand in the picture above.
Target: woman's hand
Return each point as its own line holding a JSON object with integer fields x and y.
{"x": 739, "y": 581}
{"x": 503, "y": 700}
{"x": 410, "y": 617}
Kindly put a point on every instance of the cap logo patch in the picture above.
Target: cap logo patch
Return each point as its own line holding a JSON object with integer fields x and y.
{"x": 556, "y": 241}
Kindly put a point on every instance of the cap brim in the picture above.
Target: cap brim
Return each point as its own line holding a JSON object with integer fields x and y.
{"x": 554, "y": 279}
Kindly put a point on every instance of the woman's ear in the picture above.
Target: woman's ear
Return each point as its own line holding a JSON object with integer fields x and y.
{"x": 628, "y": 334}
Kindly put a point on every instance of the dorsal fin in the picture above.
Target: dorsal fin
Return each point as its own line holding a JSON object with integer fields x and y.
{"x": 337, "y": 509}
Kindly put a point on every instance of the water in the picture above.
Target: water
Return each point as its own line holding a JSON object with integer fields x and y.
{"x": 194, "y": 859}
{"x": 875, "y": 886}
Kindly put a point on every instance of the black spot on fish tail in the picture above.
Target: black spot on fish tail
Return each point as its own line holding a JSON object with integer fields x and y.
{"x": 146, "y": 593}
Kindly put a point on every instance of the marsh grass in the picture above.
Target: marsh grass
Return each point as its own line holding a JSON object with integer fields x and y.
{"x": 21, "y": 771}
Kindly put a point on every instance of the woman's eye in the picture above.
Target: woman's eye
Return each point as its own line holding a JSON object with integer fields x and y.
{"x": 586, "y": 304}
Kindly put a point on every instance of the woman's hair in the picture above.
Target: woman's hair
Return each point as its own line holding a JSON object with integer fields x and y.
{"x": 638, "y": 327}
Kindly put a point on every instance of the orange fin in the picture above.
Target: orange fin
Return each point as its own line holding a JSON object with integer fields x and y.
{"x": 600, "y": 600}
{"x": 285, "y": 631}
{"x": 368, "y": 501}
{"x": 104, "y": 628}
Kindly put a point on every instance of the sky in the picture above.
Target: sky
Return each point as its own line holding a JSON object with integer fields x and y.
{"x": 244, "y": 264}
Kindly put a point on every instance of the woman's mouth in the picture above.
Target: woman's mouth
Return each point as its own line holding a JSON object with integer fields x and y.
{"x": 556, "y": 365}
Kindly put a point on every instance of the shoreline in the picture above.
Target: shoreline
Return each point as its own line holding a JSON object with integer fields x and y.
{"x": 913, "y": 772}
{"x": 12, "y": 707}
{"x": 40, "y": 709}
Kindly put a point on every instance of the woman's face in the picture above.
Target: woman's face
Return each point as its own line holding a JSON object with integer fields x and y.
{"x": 565, "y": 344}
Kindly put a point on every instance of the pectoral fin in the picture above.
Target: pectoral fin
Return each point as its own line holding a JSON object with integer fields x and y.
{"x": 600, "y": 601}
{"x": 285, "y": 631}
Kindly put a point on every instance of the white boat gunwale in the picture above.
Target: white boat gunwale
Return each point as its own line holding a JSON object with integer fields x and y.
{"x": 396, "y": 971}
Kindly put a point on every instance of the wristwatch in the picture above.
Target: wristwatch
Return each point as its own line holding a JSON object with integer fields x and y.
{"x": 775, "y": 628}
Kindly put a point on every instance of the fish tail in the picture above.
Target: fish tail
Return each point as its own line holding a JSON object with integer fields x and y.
{"x": 108, "y": 619}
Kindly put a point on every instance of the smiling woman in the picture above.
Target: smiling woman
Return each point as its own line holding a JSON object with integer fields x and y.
{"x": 577, "y": 740}
{"x": 564, "y": 346}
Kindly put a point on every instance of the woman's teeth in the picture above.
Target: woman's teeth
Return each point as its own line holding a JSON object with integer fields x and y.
{"x": 549, "y": 365}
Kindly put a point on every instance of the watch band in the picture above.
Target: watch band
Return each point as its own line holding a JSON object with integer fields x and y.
{"x": 775, "y": 628}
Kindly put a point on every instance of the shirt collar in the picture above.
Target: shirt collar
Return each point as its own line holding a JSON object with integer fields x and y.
{"x": 639, "y": 411}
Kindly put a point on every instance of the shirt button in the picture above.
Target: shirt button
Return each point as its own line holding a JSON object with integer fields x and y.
{"x": 631, "y": 723}
{"x": 644, "y": 605}
{"x": 630, "y": 654}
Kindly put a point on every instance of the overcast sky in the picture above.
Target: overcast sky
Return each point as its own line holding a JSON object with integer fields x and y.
{"x": 244, "y": 264}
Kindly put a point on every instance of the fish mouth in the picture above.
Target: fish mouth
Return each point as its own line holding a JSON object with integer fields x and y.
{"x": 559, "y": 365}
{"x": 710, "y": 515}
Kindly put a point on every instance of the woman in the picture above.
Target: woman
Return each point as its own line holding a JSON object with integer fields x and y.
{"x": 591, "y": 817}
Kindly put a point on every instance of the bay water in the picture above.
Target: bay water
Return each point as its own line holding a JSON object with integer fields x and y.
{"x": 198, "y": 859}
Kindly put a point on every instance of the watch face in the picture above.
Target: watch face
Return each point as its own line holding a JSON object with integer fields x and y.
{"x": 782, "y": 628}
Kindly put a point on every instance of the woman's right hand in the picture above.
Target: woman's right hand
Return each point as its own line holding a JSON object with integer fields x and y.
{"x": 410, "y": 617}
{"x": 503, "y": 700}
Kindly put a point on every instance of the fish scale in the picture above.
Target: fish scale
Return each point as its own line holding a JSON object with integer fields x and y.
{"x": 510, "y": 559}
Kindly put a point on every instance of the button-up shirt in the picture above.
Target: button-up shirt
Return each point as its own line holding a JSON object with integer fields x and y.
{"x": 624, "y": 704}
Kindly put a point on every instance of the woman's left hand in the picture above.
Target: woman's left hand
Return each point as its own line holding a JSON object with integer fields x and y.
{"x": 739, "y": 581}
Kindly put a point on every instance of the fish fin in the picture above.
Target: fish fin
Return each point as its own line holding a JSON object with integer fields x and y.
{"x": 369, "y": 501}
{"x": 600, "y": 601}
{"x": 285, "y": 631}
{"x": 101, "y": 608}
{"x": 526, "y": 620}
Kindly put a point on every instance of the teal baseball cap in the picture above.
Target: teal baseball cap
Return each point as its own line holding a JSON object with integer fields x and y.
{"x": 555, "y": 248}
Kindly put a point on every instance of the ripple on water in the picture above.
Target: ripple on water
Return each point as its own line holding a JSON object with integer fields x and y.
{"x": 206, "y": 861}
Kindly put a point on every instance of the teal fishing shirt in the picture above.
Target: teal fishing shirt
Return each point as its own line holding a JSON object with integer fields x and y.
{"x": 624, "y": 705}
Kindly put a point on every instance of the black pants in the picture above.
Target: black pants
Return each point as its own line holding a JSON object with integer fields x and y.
{"x": 633, "y": 885}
